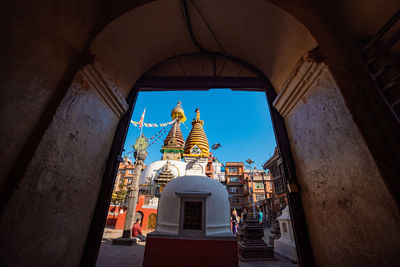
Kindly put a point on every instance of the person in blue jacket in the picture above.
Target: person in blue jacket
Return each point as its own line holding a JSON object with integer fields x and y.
{"x": 260, "y": 216}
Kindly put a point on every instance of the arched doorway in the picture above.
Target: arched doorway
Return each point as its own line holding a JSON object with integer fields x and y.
{"x": 276, "y": 63}
{"x": 46, "y": 83}
{"x": 224, "y": 72}
{"x": 139, "y": 215}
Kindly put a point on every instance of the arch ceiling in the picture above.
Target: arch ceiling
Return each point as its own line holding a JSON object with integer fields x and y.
{"x": 256, "y": 31}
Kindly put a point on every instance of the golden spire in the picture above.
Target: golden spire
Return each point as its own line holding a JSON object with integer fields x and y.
{"x": 196, "y": 144}
{"x": 178, "y": 113}
{"x": 174, "y": 142}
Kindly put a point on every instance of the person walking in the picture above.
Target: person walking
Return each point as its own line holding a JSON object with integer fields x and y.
{"x": 137, "y": 231}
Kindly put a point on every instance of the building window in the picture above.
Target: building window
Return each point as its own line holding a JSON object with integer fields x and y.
{"x": 234, "y": 200}
{"x": 234, "y": 189}
{"x": 130, "y": 171}
{"x": 234, "y": 179}
{"x": 284, "y": 227}
{"x": 233, "y": 170}
{"x": 192, "y": 215}
{"x": 258, "y": 185}
{"x": 279, "y": 187}
{"x": 260, "y": 197}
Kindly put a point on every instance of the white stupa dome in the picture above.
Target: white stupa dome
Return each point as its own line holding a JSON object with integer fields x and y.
{"x": 217, "y": 209}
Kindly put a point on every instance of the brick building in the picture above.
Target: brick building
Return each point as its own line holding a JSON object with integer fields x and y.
{"x": 262, "y": 189}
{"x": 125, "y": 174}
{"x": 274, "y": 167}
{"x": 236, "y": 186}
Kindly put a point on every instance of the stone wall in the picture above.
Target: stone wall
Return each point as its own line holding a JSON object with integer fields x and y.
{"x": 352, "y": 218}
{"x": 49, "y": 215}
{"x": 55, "y": 153}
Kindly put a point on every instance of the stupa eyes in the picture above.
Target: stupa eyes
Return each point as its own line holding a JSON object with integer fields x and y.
{"x": 196, "y": 150}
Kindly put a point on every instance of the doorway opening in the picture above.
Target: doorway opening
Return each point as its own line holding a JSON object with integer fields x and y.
{"x": 172, "y": 75}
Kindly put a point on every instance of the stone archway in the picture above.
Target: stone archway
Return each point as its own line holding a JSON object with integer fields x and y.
{"x": 112, "y": 45}
{"x": 52, "y": 122}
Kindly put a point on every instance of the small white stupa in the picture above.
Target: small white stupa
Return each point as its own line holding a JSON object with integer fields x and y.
{"x": 286, "y": 245}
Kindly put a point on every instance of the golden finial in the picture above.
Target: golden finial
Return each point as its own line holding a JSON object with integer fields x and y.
{"x": 178, "y": 113}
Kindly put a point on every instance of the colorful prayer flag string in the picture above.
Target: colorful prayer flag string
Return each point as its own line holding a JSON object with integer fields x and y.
{"x": 136, "y": 124}
{"x": 158, "y": 138}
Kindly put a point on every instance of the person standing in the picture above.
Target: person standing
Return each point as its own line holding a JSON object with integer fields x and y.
{"x": 233, "y": 222}
{"x": 241, "y": 223}
{"x": 137, "y": 231}
{"x": 260, "y": 216}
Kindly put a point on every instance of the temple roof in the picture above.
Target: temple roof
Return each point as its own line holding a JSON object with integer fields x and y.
{"x": 175, "y": 137}
{"x": 196, "y": 144}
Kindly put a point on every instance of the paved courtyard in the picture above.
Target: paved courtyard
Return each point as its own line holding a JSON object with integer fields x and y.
{"x": 119, "y": 256}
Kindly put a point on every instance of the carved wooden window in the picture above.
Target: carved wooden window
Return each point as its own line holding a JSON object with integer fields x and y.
{"x": 279, "y": 188}
{"x": 192, "y": 220}
{"x": 192, "y": 215}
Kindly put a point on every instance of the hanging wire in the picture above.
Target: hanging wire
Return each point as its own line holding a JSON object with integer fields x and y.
{"x": 188, "y": 23}
{"x": 186, "y": 126}
{"x": 159, "y": 137}
{"x": 208, "y": 26}
{"x": 155, "y": 135}
{"x": 159, "y": 134}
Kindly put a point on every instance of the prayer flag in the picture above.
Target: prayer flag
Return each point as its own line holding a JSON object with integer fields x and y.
{"x": 141, "y": 119}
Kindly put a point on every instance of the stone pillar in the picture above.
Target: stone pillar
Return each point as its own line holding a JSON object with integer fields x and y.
{"x": 251, "y": 246}
{"x": 133, "y": 194}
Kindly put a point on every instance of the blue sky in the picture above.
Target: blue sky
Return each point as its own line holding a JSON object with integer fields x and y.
{"x": 239, "y": 121}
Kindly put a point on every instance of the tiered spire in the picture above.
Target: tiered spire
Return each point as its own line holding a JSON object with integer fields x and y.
{"x": 164, "y": 176}
{"x": 196, "y": 144}
{"x": 175, "y": 137}
{"x": 174, "y": 142}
